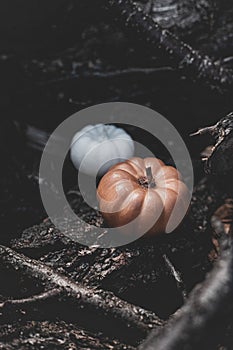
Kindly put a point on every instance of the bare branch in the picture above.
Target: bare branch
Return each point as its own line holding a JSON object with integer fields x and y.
{"x": 31, "y": 300}
{"x": 102, "y": 302}
{"x": 198, "y": 66}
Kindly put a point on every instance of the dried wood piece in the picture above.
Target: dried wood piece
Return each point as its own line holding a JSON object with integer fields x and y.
{"x": 220, "y": 160}
{"x": 116, "y": 269}
{"x": 198, "y": 66}
{"x": 206, "y": 308}
{"x": 99, "y": 301}
{"x": 54, "y": 335}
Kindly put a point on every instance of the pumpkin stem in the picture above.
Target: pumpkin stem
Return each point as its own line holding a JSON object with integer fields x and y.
{"x": 150, "y": 179}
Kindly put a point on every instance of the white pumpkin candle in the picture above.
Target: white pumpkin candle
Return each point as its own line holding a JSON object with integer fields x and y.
{"x": 96, "y": 148}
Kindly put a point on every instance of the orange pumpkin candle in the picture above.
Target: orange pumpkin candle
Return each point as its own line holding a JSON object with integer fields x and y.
{"x": 145, "y": 191}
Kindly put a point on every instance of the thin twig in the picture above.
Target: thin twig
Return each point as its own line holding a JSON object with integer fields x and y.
{"x": 108, "y": 74}
{"x": 177, "y": 277}
{"x": 31, "y": 300}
